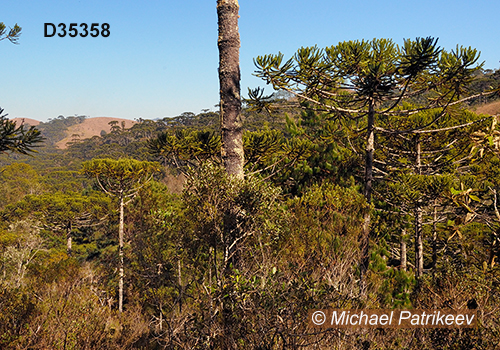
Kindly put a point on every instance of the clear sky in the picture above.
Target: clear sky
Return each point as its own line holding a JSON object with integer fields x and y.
{"x": 161, "y": 57}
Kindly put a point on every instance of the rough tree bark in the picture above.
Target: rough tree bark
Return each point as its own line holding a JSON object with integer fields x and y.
{"x": 231, "y": 123}
{"x": 365, "y": 239}
{"x": 120, "y": 253}
{"x": 229, "y": 78}
{"x": 434, "y": 239}
{"x": 419, "y": 248}
{"x": 69, "y": 245}
{"x": 403, "y": 250}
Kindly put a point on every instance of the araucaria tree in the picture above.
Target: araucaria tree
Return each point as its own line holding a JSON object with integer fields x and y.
{"x": 372, "y": 82}
{"x": 62, "y": 212}
{"x": 122, "y": 179}
{"x": 14, "y": 138}
{"x": 12, "y": 35}
{"x": 17, "y": 138}
{"x": 229, "y": 78}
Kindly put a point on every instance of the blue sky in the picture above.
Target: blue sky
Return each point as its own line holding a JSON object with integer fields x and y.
{"x": 161, "y": 58}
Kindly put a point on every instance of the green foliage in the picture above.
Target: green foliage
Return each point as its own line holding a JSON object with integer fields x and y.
{"x": 62, "y": 216}
{"x": 122, "y": 179}
{"x": 376, "y": 69}
{"x": 54, "y": 130}
{"x": 63, "y": 181}
{"x": 12, "y": 35}
{"x": 271, "y": 260}
{"x": 261, "y": 146}
{"x": 186, "y": 148}
{"x": 325, "y": 224}
{"x": 18, "y": 307}
{"x": 14, "y": 138}
{"x": 231, "y": 209}
{"x": 485, "y": 80}
{"x": 203, "y": 120}
{"x": 21, "y": 245}
{"x": 395, "y": 286}
{"x": 156, "y": 248}
{"x": 119, "y": 177}
{"x": 16, "y": 181}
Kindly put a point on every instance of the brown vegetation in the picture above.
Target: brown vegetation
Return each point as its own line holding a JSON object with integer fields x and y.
{"x": 91, "y": 127}
{"x": 27, "y": 121}
{"x": 492, "y": 108}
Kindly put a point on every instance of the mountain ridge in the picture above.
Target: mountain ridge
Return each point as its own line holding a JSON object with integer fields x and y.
{"x": 91, "y": 127}
{"x": 87, "y": 127}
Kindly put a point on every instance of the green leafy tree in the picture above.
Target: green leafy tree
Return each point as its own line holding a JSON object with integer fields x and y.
{"x": 66, "y": 181}
{"x": 268, "y": 151}
{"x": 476, "y": 196}
{"x": 368, "y": 81}
{"x": 122, "y": 179}
{"x": 421, "y": 167}
{"x": 16, "y": 181}
{"x": 157, "y": 254}
{"x": 313, "y": 149}
{"x": 61, "y": 212}
{"x": 22, "y": 244}
{"x": 226, "y": 217}
{"x": 186, "y": 148}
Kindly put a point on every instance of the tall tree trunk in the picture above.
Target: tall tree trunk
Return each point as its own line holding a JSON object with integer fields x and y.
{"x": 229, "y": 78}
{"x": 69, "y": 246}
{"x": 120, "y": 254}
{"x": 419, "y": 248}
{"x": 403, "y": 250}
{"x": 365, "y": 239}
{"x": 231, "y": 124}
{"x": 434, "y": 239}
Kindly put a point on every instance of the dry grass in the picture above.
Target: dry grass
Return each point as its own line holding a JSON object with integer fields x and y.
{"x": 27, "y": 121}
{"x": 91, "y": 127}
{"x": 492, "y": 108}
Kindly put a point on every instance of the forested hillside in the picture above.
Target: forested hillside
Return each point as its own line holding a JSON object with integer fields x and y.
{"x": 138, "y": 239}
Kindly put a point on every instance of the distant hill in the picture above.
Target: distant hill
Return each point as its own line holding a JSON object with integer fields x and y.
{"x": 492, "y": 108}
{"x": 28, "y": 121}
{"x": 60, "y": 131}
{"x": 91, "y": 127}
